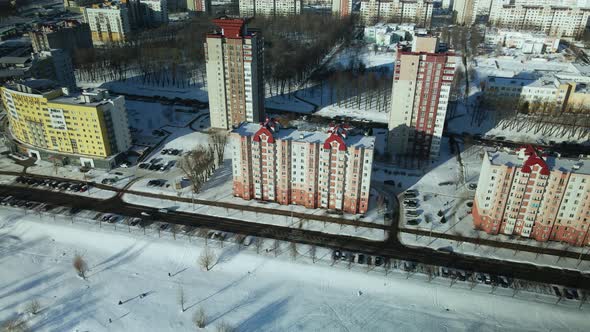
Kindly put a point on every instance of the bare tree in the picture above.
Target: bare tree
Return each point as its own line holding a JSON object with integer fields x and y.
{"x": 197, "y": 165}
{"x": 240, "y": 240}
{"x": 80, "y": 266}
{"x": 293, "y": 249}
{"x": 33, "y": 307}
{"x": 174, "y": 230}
{"x": 224, "y": 327}
{"x": 275, "y": 247}
{"x": 207, "y": 259}
{"x": 313, "y": 252}
{"x": 218, "y": 140}
{"x": 200, "y": 318}
{"x": 181, "y": 298}
{"x": 258, "y": 244}
{"x": 16, "y": 324}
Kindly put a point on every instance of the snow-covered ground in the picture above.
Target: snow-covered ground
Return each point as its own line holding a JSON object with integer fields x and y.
{"x": 247, "y": 291}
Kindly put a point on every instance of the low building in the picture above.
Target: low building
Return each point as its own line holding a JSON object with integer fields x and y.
{"x": 532, "y": 195}
{"x": 528, "y": 42}
{"x": 47, "y": 121}
{"x": 54, "y": 65}
{"x": 314, "y": 169}
{"x": 540, "y": 92}
{"x": 388, "y": 34}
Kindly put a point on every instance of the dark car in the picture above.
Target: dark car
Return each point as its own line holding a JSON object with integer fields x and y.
{"x": 378, "y": 261}
{"x": 75, "y": 210}
{"x": 163, "y": 227}
{"x": 336, "y": 254}
{"x": 361, "y": 259}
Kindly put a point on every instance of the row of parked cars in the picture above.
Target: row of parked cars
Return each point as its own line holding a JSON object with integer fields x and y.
{"x": 55, "y": 184}
{"x": 410, "y": 202}
{"x": 174, "y": 152}
{"x": 156, "y": 165}
{"x": 357, "y": 258}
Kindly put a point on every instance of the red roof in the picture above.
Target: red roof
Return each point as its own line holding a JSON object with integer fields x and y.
{"x": 231, "y": 28}
{"x": 269, "y": 126}
{"x": 337, "y": 133}
{"x": 534, "y": 159}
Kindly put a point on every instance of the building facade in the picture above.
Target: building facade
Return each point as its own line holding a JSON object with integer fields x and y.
{"x": 421, "y": 88}
{"x": 47, "y": 121}
{"x": 250, "y": 8}
{"x": 109, "y": 22}
{"x": 555, "y": 20}
{"x": 67, "y": 35}
{"x": 54, "y": 65}
{"x": 342, "y": 8}
{"x": 317, "y": 170}
{"x": 534, "y": 196}
{"x": 199, "y": 6}
{"x": 235, "y": 82}
{"x": 528, "y": 42}
{"x": 546, "y": 93}
{"x": 155, "y": 11}
{"x": 398, "y": 11}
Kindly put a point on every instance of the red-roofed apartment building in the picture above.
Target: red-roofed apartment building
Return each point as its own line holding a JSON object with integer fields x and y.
{"x": 315, "y": 169}
{"x": 533, "y": 195}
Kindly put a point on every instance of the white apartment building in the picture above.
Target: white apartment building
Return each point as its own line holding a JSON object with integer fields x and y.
{"x": 527, "y": 42}
{"x": 400, "y": 11}
{"x": 317, "y": 170}
{"x": 567, "y": 21}
{"x": 249, "y": 8}
{"x": 109, "y": 22}
{"x": 235, "y": 82}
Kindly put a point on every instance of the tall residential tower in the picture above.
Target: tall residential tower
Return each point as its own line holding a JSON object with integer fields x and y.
{"x": 234, "y": 58}
{"x": 421, "y": 89}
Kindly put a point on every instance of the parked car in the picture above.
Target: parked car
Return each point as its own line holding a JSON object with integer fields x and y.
{"x": 336, "y": 254}
{"x": 361, "y": 259}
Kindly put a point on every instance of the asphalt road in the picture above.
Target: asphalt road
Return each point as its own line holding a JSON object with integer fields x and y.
{"x": 391, "y": 248}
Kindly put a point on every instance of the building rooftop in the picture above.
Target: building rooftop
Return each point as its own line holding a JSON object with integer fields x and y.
{"x": 361, "y": 141}
{"x": 516, "y": 159}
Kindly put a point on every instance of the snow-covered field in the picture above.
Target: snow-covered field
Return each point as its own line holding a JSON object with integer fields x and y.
{"x": 244, "y": 290}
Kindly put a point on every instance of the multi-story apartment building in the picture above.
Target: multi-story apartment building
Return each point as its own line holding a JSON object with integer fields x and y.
{"x": 249, "y": 8}
{"x": 109, "y": 22}
{"x": 199, "y": 5}
{"x": 399, "y": 11}
{"x": 469, "y": 11}
{"x": 554, "y": 20}
{"x": 235, "y": 82}
{"x": 78, "y": 5}
{"x": 314, "y": 169}
{"x": 47, "y": 122}
{"x": 533, "y": 195}
{"x": 421, "y": 88}
{"x": 155, "y": 12}
{"x": 342, "y": 8}
{"x": 55, "y": 65}
{"x": 546, "y": 93}
{"x": 67, "y": 35}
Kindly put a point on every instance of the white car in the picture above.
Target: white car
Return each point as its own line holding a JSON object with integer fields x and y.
{"x": 124, "y": 166}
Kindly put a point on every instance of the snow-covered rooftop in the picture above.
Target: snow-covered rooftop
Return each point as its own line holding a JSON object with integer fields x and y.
{"x": 361, "y": 141}
{"x": 569, "y": 165}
